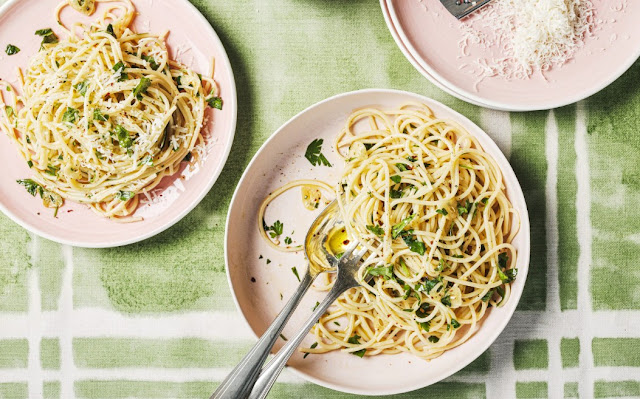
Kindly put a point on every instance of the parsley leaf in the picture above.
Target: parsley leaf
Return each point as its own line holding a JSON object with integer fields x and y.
{"x": 52, "y": 170}
{"x": 384, "y": 271}
{"x": 47, "y": 36}
{"x": 32, "y": 187}
{"x": 124, "y": 139}
{"x": 288, "y": 240}
{"x": 141, "y": 88}
{"x": 401, "y": 167}
{"x": 11, "y": 49}
{"x": 314, "y": 153}
{"x": 508, "y": 275}
{"x": 215, "y": 102}
{"x": 454, "y": 323}
{"x": 110, "y": 30}
{"x": 276, "y": 229}
{"x": 466, "y": 208}
{"x": 152, "y": 62}
{"x": 118, "y": 68}
{"x": 377, "y": 230}
{"x": 434, "y": 339}
{"x": 428, "y": 285}
{"x": 295, "y": 272}
{"x": 395, "y": 194}
{"x": 125, "y": 195}
{"x": 70, "y": 115}
{"x": 148, "y": 160}
{"x": 442, "y": 211}
{"x": 446, "y": 300}
{"x": 487, "y": 296}
{"x": 10, "y": 111}
{"x": 425, "y": 325}
{"x": 396, "y": 179}
{"x": 355, "y": 340}
{"x": 503, "y": 259}
{"x": 414, "y": 244}
{"x": 98, "y": 116}
{"x": 82, "y": 87}
{"x": 397, "y": 229}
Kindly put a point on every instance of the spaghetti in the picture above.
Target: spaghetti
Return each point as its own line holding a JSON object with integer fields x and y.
{"x": 429, "y": 204}
{"x": 105, "y": 114}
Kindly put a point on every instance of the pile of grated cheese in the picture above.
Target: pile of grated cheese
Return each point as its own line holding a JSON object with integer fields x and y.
{"x": 533, "y": 35}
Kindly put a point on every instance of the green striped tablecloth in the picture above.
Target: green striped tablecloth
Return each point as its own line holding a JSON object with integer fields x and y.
{"x": 156, "y": 320}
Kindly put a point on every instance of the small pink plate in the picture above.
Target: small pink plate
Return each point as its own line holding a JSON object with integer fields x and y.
{"x": 261, "y": 278}
{"x": 432, "y": 37}
{"x": 192, "y": 41}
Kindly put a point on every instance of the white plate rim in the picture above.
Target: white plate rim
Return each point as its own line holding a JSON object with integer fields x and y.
{"x": 414, "y": 62}
{"x": 214, "y": 176}
{"x": 523, "y": 256}
{"x": 621, "y": 69}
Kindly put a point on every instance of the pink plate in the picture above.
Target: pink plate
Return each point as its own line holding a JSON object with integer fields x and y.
{"x": 192, "y": 41}
{"x": 261, "y": 278}
{"x": 431, "y": 36}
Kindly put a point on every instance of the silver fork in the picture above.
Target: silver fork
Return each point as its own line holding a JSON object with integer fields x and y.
{"x": 462, "y": 8}
{"x": 239, "y": 382}
{"x": 346, "y": 278}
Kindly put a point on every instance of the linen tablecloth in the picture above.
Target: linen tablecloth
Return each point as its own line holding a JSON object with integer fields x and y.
{"x": 156, "y": 319}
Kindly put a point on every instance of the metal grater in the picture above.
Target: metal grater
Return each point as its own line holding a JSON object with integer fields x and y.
{"x": 462, "y": 8}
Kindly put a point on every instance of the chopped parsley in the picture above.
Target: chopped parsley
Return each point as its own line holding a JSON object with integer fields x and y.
{"x": 487, "y": 296}
{"x": 47, "y": 36}
{"x": 425, "y": 325}
{"x": 314, "y": 153}
{"x": 52, "y": 170}
{"x": 70, "y": 115}
{"x": 397, "y": 229}
{"x": 402, "y": 167}
{"x": 315, "y": 306}
{"x": 313, "y": 346}
{"x": 454, "y": 323}
{"x": 152, "y": 62}
{"x": 148, "y": 160}
{"x": 414, "y": 244}
{"x": 118, "y": 68}
{"x": 30, "y": 164}
{"x": 288, "y": 240}
{"x": 141, "y": 88}
{"x": 124, "y": 139}
{"x": 110, "y": 30}
{"x": 215, "y": 102}
{"x": 434, "y": 339}
{"x": 377, "y": 230}
{"x": 384, "y": 271}
{"x": 82, "y": 87}
{"x": 396, "y": 179}
{"x": 355, "y": 340}
{"x": 508, "y": 275}
{"x": 295, "y": 272}
{"x": 10, "y": 111}
{"x": 11, "y": 49}
{"x": 442, "y": 211}
{"x": 98, "y": 116}
{"x": 446, "y": 300}
{"x": 503, "y": 259}
{"x": 395, "y": 194}
{"x": 428, "y": 285}
{"x": 125, "y": 195}
{"x": 466, "y": 208}
{"x": 275, "y": 229}
{"x": 283, "y": 337}
{"x": 32, "y": 187}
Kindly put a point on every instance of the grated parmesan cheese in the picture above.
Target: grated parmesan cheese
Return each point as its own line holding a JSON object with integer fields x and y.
{"x": 534, "y": 35}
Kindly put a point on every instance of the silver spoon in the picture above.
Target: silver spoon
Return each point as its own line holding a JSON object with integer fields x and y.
{"x": 239, "y": 382}
{"x": 346, "y": 278}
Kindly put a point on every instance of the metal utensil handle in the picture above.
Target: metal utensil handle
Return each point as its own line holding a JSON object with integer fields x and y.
{"x": 272, "y": 370}
{"x": 240, "y": 381}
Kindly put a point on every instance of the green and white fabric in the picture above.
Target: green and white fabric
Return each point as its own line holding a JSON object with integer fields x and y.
{"x": 156, "y": 319}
